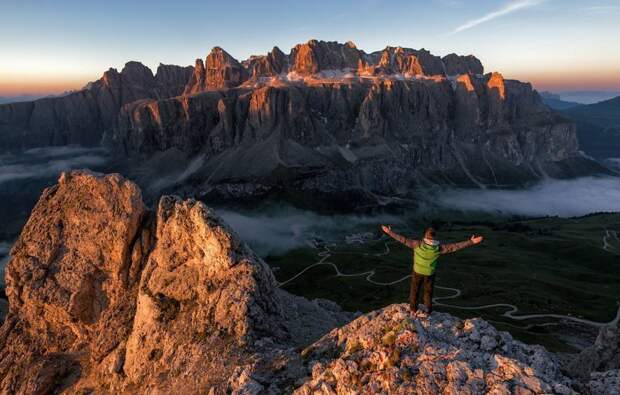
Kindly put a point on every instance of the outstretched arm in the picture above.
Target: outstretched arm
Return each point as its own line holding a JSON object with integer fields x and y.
{"x": 411, "y": 243}
{"x": 453, "y": 247}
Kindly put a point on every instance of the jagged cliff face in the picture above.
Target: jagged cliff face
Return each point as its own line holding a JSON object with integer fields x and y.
{"x": 107, "y": 296}
{"x": 332, "y": 118}
{"x": 383, "y": 135}
{"x": 272, "y": 64}
{"x": 220, "y": 70}
{"x": 328, "y": 116}
{"x": 81, "y": 117}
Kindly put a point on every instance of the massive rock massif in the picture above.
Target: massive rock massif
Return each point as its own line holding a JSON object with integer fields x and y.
{"x": 107, "y": 296}
{"x": 327, "y": 117}
{"x": 332, "y": 118}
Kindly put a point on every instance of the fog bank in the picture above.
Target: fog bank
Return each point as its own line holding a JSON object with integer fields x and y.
{"x": 277, "y": 230}
{"x": 47, "y": 162}
{"x": 564, "y": 198}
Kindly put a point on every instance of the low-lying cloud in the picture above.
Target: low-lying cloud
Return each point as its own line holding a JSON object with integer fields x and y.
{"x": 613, "y": 163}
{"x": 564, "y": 198}
{"x": 48, "y": 162}
{"x": 178, "y": 177}
{"x": 275, "y": 231}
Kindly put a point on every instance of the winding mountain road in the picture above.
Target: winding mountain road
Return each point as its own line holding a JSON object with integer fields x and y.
{"x": 510, "y": 313}
{"x": 611, "y": 241}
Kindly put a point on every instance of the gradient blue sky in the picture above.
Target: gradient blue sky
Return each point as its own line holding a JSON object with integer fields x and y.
{"x": 50, "y": 46}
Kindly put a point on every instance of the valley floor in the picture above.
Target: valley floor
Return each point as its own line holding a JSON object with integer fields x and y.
{"x": 549, "y": 280}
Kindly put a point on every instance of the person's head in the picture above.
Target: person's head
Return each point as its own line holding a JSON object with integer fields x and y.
{"x": 429, "y": 233}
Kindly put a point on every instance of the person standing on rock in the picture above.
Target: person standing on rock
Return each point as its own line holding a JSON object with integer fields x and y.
{"x": 425, "y": 255}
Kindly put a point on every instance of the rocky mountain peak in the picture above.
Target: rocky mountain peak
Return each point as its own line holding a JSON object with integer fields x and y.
{"x": 401, "y": 61}
{"x": 222, "y": 70}
{"x": 109, "y": 78}
{"x": 136, "y": 70}
{"x": 171, "y": 79}
{"x": 409, "y": 61}
{"x": 219, "y": 71}
{"x": 456, "y": 64}
{"x": 495, "y": 82}
{"x": 197, "y": 81}
{"x": 390, "y": 351}
{"x": 106, "y": 295}
{"x": 316, "y": 56}
{"x": 274, "y": 63}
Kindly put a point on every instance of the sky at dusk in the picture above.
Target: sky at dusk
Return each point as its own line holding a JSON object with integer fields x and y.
{"x": 53, "y": 46}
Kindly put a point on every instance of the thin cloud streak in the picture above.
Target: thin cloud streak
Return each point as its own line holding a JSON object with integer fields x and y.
{"x": 505, "y": 10}
{"x": 601, "y": 9}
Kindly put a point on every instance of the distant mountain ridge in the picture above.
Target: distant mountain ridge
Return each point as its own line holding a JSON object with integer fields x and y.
{"x": 82, "y": 116}
{"x": 19, "y": 98}
{"x": 555, "y": 102}
{"x": 598, "y": 127}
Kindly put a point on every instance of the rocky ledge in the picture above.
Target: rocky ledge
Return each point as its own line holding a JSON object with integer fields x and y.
{"x": 107, "y": 296}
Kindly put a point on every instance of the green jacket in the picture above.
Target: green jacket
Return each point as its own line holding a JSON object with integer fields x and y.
{"x": 425, "y": 255}
{"x": 425, "y": 258}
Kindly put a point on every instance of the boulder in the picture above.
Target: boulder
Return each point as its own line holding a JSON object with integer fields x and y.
{"x": 72, "y": 281}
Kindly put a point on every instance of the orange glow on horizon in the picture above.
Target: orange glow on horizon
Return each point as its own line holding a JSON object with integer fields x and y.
{"x": 605, "y": 80}
{"x": 39, "y": 87}
{"x": 43, "y": 82}
{"x": 608, "y": 80}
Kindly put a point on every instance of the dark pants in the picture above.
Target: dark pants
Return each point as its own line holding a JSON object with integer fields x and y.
{"x": 416, "y": 281}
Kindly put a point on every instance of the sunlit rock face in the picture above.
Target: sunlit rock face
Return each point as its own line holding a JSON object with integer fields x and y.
{"x": 384, "y": 135}
{"x": 409, "y": 61}
{"x": 330, "y": 117}
{"x": 272, "y": 64}
{"x": 220, "y": 70}
{"x": 316, "y": 56}
{"x": 108, "y": 296}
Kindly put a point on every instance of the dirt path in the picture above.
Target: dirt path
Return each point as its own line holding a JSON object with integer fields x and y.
{"x": 611, "y": 241}
{"x": 511, "y": 311}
